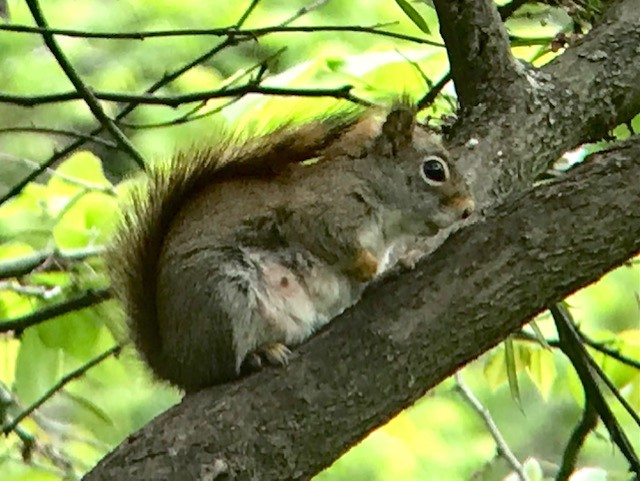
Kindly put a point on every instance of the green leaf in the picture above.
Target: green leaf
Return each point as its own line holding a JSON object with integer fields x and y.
{"x": 82, "y": 168}
{"x": 13, "y": 250}
{"x": 90, "y": 407}
{"x": 26, "y": 218}
{"x": 533, "y": 470}
{"x": 90, "y": 220}
{"x": 413, "y": 14}
{"x": 539, "y": 336}
{"x": 627, "y": 344}
{"x": 494, "y": 369}
{"x": 75, "y": 332}
{"x": 542, "y": 370}
{"x": 37, "y": 367}
{"x": 512, "y": 370}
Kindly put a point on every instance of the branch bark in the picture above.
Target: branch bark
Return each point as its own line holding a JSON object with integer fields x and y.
{"x": 411, "y": 331}
{"x": 406, "y": 335}
{"x": 577, "y": 98}
{"x": 478, "y": 49}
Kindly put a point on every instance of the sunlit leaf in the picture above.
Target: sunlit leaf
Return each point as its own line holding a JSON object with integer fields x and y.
{"x": 532, "y": 469}
{"x": 75, "y": 332}
{"x": 91, "y": 407}
{"x": 90, "y": 220}
{"x": 512, "y": 370}
{"x": 539, "y": 335}
{"x": 413, "y": 14}
{"x": 494, "y": 369}
{"x": 542, "y": 370}
{"x": 37, "y": 367}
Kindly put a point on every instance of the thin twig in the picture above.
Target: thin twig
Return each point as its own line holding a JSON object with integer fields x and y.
{"x": 66, "y": 133}
{"x": 126, "y": 110}
{"x": 342, "y": 92}
{"x": 25, "y": 265}
{"x": 616, "y": 393}
{"x": 82, "y": 90}
{"x": 66, "y": 379}
{"x": 510, "y": 8}
{"x": 193, "y": 115}
{"x": 601, "y": 347}
{"x": 221, "y": 32}
{"x": 503, "y": 447}
{"x": 433, "y": 92}
{"x": 606, "y": 351}
{"x": 42, "y": 292}
{"x": 598, "y": 346}
{"x": 571, "y": 345}
{"x": 89, "y": 298}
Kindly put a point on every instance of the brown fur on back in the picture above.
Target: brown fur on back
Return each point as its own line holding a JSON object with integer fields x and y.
{"x": 133, "y": 257}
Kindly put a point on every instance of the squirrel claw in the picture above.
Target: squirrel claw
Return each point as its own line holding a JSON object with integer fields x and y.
{"x": 275, "y": 353}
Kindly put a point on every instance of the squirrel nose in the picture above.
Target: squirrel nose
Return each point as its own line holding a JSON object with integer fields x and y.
{"x": 465, "y": 206}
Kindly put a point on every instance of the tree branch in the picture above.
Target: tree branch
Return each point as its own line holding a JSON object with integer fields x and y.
{"x": 406, "y": 335}
{"x": 571, "y": 345}
{"x": 560, "y": 107}
{"x": 54, "y": 131}
{"x": 26, "y": 264}
{"x": 478, "y": 49}
{"x": 167, "y": 79}
{"x": 249, "y": 33}
{"x": 341, "y": 92}
{"x": 504, "y": 451}
{"x": 82, "y": 90}
{"x": 64, "y": 380}
{"x": 87, "y": 299}
{"x": 587, "y": 423}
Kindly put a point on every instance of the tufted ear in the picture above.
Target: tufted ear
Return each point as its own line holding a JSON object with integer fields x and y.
{"x": 397, "y": 130}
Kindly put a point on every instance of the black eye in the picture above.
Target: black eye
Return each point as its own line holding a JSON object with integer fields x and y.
{"x": 434, "y": 170}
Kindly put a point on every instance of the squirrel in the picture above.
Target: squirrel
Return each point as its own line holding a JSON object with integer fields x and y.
{"x": 234, "y": 252}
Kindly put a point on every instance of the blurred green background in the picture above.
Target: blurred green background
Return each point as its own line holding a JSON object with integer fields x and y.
{"x": 73, "y": 208}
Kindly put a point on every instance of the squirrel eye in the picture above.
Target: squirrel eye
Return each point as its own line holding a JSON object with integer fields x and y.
{"x": 434, "y": 170}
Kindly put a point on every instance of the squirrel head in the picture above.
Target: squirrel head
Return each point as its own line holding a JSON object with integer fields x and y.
{"x": 414, "y": 175}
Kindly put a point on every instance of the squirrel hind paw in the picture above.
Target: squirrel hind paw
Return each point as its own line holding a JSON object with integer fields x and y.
{"x": 274, "y": 353}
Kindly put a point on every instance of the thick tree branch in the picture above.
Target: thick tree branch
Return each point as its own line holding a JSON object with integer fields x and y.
{"x": 580, "y": 96}
{"x": 478, "y": 49}
{"x": 405, "y": 336}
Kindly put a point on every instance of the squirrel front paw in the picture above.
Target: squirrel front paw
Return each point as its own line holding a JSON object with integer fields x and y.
{"x": 273, "y": 353}
{"x": 365, "y": 266}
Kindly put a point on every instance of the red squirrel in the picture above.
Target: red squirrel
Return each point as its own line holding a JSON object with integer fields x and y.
{"x": 234, "y": 252}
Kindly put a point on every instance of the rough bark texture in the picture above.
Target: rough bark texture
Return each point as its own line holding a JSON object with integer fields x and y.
{"x": 406, "y": 335}
{"x": 409, "y": 332}
{"x": 479, "y": 54}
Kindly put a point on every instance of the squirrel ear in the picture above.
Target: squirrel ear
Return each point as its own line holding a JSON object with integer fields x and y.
{"x": 397, "y": 130}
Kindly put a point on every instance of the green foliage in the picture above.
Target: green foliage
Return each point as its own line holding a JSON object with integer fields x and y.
{"x": 70, "y": 215}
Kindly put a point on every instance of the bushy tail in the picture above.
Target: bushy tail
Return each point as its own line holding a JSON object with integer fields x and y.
{"x": 134, "y": 254}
